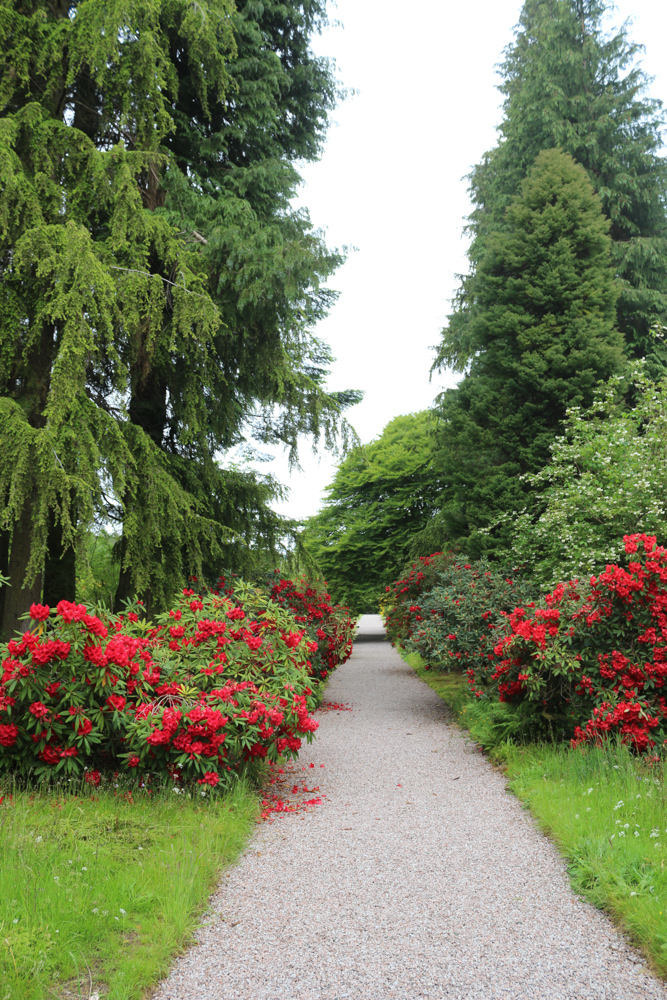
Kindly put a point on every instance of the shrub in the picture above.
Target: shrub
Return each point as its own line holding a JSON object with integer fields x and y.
{"x": 593, "y": 660}
{"x": 216, "y": 682}
{"x": 607, "y": 477}
{"x": 327, "y": 625}
{"x": 456, "y": 621}
{"x": 403, "y": 593}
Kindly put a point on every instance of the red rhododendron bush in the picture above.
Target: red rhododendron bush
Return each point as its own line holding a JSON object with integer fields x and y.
{"x": 454, "y": 623}
{"x": 403, "y": 595}
{"x": 328, "y": 625}
{"x": 593, "y": 661}
{"x": 214, "y": 683}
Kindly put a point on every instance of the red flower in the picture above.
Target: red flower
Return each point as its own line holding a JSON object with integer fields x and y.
{"x": 95, "y": 626}
{"x": 71, "y": 612}
{"x": 116, "y": 702}
{"x": 38, "y": 709}
{"x": 210, "y": 778}
{"x": 54, "y": 649}
{"x": 94, "y": 778}
{"x": 39, "y": 612}
{"x": 8, "y": 735}
{"x": 158, "y": 737}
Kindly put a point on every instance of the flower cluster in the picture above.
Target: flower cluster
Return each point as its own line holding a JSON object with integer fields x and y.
{"x": 216, "y": 682}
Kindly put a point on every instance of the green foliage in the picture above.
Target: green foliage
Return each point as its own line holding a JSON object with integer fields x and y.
{"x": 108, "y": 882}
{"x": 458, "y": 621}
{"x": 196, "y": 695}
{"x": 542, "y": 336}
{"x": 157, "y": 288}
{"x": 590, "y": 661}
{"x": 97, "y": 569}
{"x": 607, "y": 478}
{"x": 329, "y": 627}
{"x": 567, "y": 83}
{"x": 382, "y": 495}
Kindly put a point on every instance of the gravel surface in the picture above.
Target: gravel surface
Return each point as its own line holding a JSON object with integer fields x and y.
{"x": 417, "y": 876}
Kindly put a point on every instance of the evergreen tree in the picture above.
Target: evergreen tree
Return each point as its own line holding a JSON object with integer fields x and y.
{"x": 157, "y": 291}
{"x": 567, "y": 84}
{"x": 382, "y": 495}
{"x": 543, "y": 335}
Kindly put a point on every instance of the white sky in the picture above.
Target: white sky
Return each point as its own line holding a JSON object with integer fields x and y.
{"x": 390, "y": 183}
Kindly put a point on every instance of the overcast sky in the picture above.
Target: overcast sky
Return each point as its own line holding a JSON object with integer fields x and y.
{"x": 391, "y": 183}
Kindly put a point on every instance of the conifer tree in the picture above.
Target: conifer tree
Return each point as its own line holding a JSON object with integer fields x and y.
{"x": 157, "y": 291}
{"x": 569, "y": 85}
{"x": 543, "y": 336}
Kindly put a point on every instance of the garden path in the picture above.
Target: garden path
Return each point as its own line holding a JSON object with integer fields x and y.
{"x": 418, "y": 876}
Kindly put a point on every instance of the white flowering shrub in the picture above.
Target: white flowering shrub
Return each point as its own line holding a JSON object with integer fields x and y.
{"x": 607, "y": 479}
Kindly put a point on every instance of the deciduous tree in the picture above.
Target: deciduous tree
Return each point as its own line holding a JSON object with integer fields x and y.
{"x": 383, "y": 494}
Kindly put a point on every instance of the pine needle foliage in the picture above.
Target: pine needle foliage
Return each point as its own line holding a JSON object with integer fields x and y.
{"x": 567, "y": 83}
{"x": 157, "y": 288}
{"x": 543, "y": 336}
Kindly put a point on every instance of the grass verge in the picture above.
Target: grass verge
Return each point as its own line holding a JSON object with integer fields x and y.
{"x": 605, "y": 809}
{"x": 99, "y": 889}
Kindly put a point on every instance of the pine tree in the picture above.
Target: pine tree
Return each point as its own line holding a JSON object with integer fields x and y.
{"x": 543, "y": 335}
{"x": 152, "y": 305}
{"x": 382, "y": 495}
{"x": 567, "y": 84}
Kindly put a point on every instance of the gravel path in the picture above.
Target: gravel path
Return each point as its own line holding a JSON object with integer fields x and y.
{"x": 417, "y": 877}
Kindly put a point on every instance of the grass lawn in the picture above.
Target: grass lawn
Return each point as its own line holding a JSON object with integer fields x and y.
{"x": 100, "y": 888}
{"x": 605, "y": 808}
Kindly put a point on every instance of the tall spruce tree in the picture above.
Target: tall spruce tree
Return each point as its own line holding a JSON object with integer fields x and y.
{"x": 568, "y": 84}
{"x": 157, "y": 290}
{"x": 542, "y": 336}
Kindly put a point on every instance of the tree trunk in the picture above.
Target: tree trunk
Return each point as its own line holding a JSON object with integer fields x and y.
{"x": 124, "y": 589}
{"x": 18, "y": 597}
{"x": 4, "y": 567}
{"x": 148, "y": 409}
{"x": 59, "y": 569}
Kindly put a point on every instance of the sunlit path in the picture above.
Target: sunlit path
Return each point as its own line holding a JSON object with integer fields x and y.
{"x": 417, "y": 877}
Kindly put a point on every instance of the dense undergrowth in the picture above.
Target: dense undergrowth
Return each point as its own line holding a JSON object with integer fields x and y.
{"x": 583, "y": 662}
{"x": 223, "y": 678}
